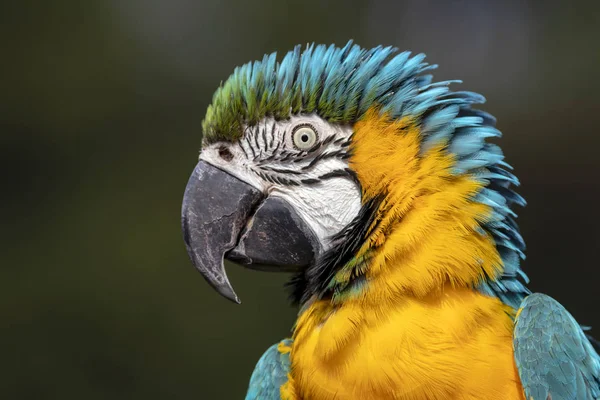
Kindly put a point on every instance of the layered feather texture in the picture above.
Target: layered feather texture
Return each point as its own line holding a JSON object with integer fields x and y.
{"x": 424, "y": 306}
{"x": 342, "y": 85}
{"x": 457, "y": 345}
{"x": 417, "y": 328}
{"x": 554, "y": 358}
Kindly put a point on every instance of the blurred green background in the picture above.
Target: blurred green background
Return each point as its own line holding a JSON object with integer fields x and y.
{"x": 100, "y": 111}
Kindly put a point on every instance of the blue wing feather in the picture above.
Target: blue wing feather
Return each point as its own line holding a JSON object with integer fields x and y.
{"x": 554, "y": 357}
{"x": 269, "y": 374}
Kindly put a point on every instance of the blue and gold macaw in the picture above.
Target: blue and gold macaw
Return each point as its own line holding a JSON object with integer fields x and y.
{"x": 377, "y": 187}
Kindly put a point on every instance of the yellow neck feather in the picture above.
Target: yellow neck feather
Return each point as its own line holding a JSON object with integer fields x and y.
{"x": 417, "y": 330}
{"x": 454, "y": 345}
{"x": 429, "y": 232}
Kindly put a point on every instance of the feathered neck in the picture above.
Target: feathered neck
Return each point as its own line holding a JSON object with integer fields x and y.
{"x": 423, "y": 225}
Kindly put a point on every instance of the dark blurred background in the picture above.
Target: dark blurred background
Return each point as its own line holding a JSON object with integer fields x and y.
{"x": 100, "y": 110}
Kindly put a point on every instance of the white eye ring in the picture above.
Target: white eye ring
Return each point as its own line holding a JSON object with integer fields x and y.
{"x": 304, "y": 137}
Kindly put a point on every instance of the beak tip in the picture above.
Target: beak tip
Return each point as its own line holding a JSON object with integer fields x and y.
{"x": 224, "y": 287}
{"x": 228, "y": 293}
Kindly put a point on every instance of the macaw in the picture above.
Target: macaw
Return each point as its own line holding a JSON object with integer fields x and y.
{"x": 377, "y": 188}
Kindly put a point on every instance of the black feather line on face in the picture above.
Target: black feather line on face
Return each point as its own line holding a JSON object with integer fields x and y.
{"x": 338, "y": 141}
{"x": 339, "y": 173}
{"x": 247, "y": 140}
{"x": 281, "y": 170}
{"x": 264, "y": 135}
{"x": 327, "y": 140}
{"x": 272, "y": 135}
{"x": 255, "y": 136}
{"x": 243, "y": 150}
{"x": 310, "y": 181}
{"x": 315, "y": 280}
{"x": 333, "y": 154}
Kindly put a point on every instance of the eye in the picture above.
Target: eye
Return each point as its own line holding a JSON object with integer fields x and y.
{"x": 304, "y": 137}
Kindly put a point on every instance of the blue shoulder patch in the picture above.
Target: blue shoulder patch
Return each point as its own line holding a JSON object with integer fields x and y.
{"x": 554, "y": 357}
{"x": 269, "y": 374}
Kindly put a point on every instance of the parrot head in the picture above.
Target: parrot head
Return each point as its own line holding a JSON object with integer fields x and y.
{"x": 335, "y": 162}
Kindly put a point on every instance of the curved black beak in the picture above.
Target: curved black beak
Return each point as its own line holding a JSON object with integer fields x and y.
{"x": 216, "y": 206}
{"x": 223, "y": 216}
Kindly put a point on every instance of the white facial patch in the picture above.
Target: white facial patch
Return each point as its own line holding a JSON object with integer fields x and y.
{"x": 327, "y": 208}
{"x": 277, "y": 158}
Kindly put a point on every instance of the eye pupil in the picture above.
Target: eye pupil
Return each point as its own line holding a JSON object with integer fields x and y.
{"x": 304, "y": 138}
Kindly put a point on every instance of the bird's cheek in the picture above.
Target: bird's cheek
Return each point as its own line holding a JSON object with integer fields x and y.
{"x": 326, "y": 207}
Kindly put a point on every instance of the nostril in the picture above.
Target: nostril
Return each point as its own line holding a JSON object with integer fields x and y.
{"x": 225, "y": 154}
